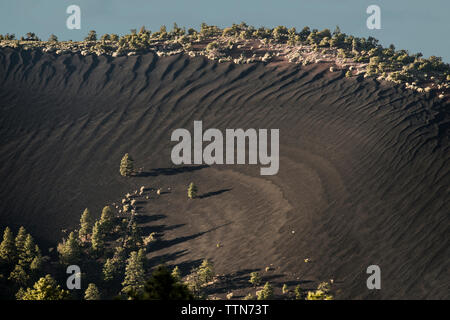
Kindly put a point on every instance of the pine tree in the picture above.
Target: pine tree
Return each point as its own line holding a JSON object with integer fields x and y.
{"x": 318, "y": 295}
{"x": 19, "y": 275}
{"x": 7, "y": 247}
{"x": 205, "y": 271}
{"x": 199, "y": 277}
{"x": 176, "y": 274}
{"x": 298, "y": 293}
{"x": 134, "y": 274}
{"x": 20, "y": 294}
{"x": 106, "y": 220}
{"x": 249, "y": 297}
{"x": 45, "y": 288}
{"x": 119, "y": 254}
{"x": 38, "y": 261}
{"x": 105, "y": 37}
{"x": 109, "y": 269}
{"x": 92, "y": 36}
{"x": 29, "y": 250}
{"x": 70, "y": 250}
{"x": 162, "y": 285}
{"x": 85, "y": 225}
{"x": 322, "y": 292}
{"x": 53, "y": 38}
{"x": 114, "y": 37}
{"x": 266, "y": 293}
{"x": 134, "y": 240}
{"x": 20, "y": 241}
{"x": 142, "y": 258}
{"x": 98, "y": 238}
{"x": 255, "y": 279}
{"x": 92, "y": 292}
{"x": 120, "y": 257}
{"x": 192, "y": 191}
{"x": 126, "y": 165}
{"x": 114, "y": 266}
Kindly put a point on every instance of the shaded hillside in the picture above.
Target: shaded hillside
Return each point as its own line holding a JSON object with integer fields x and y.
{"x": 364, "y": 166}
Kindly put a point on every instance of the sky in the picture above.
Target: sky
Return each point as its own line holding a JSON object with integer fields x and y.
{"x": 414, "y": 25}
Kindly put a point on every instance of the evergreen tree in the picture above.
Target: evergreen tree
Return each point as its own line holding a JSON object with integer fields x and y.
{"x": 98, "y": 238}
{"x": 192, "y": 191}
{"x": 92, "y": 292}
{"x": 176, "y": 274}
{"x": 142, "y": 258}
{"x": 134, "y": 240}
{"x": 31, "y": 36}
{"x": 106, "y": 220}
{"x": 29, "y": 251}
{"x": 115, "y": 265}
{"x": 249, "y": 297}
{"x": 199, "y": 277}
{"x": 7, "y": 247}
{"x": 162, "y": 285}
{"x": 105, "y": 37}
{"x": 337, "y": 31}
{"x": 109, "y": 269}
{"x": 70, "y": 250}
{"x": 205, "y": 271}
{"x": 20, "y": 241}
{"x": 298, "y": 293}
{"x": 37, "y": 262}
{"x": 255, "y": 279}
{"x": 19, "y": 275}
{"x": 85, "y": 225}
{"x": 126, "y": 165}
{"x": 304, "y": 33}
{"x": 322, "y": 292}
{"x": 142, "y": 30}
{"x": 120, "y": 257}
{"x": 134, "y": 275}
{"x": 266, "y": 293}
{"x": 53, "y": 38}
{"x": 92, "y": 36}
{"x": 318, "y": 295}
{"x": 45, "y": 288}
{"x": 20, "y": 294}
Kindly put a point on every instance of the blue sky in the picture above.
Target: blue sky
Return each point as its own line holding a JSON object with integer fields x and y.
{"x": 415, "y": 25}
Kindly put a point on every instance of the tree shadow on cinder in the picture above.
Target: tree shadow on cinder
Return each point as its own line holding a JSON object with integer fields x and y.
{"x": 163, "y": 244}
{"x": 164, "y": 258}
{"x": 159, "y": 228}
{"x": 142, "y": 219}
{"x": 213, "y": 193}
{"x": 170, "y": 171}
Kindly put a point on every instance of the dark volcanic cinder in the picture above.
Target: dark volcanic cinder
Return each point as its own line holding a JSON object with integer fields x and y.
{"x": 363, "y": 177}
